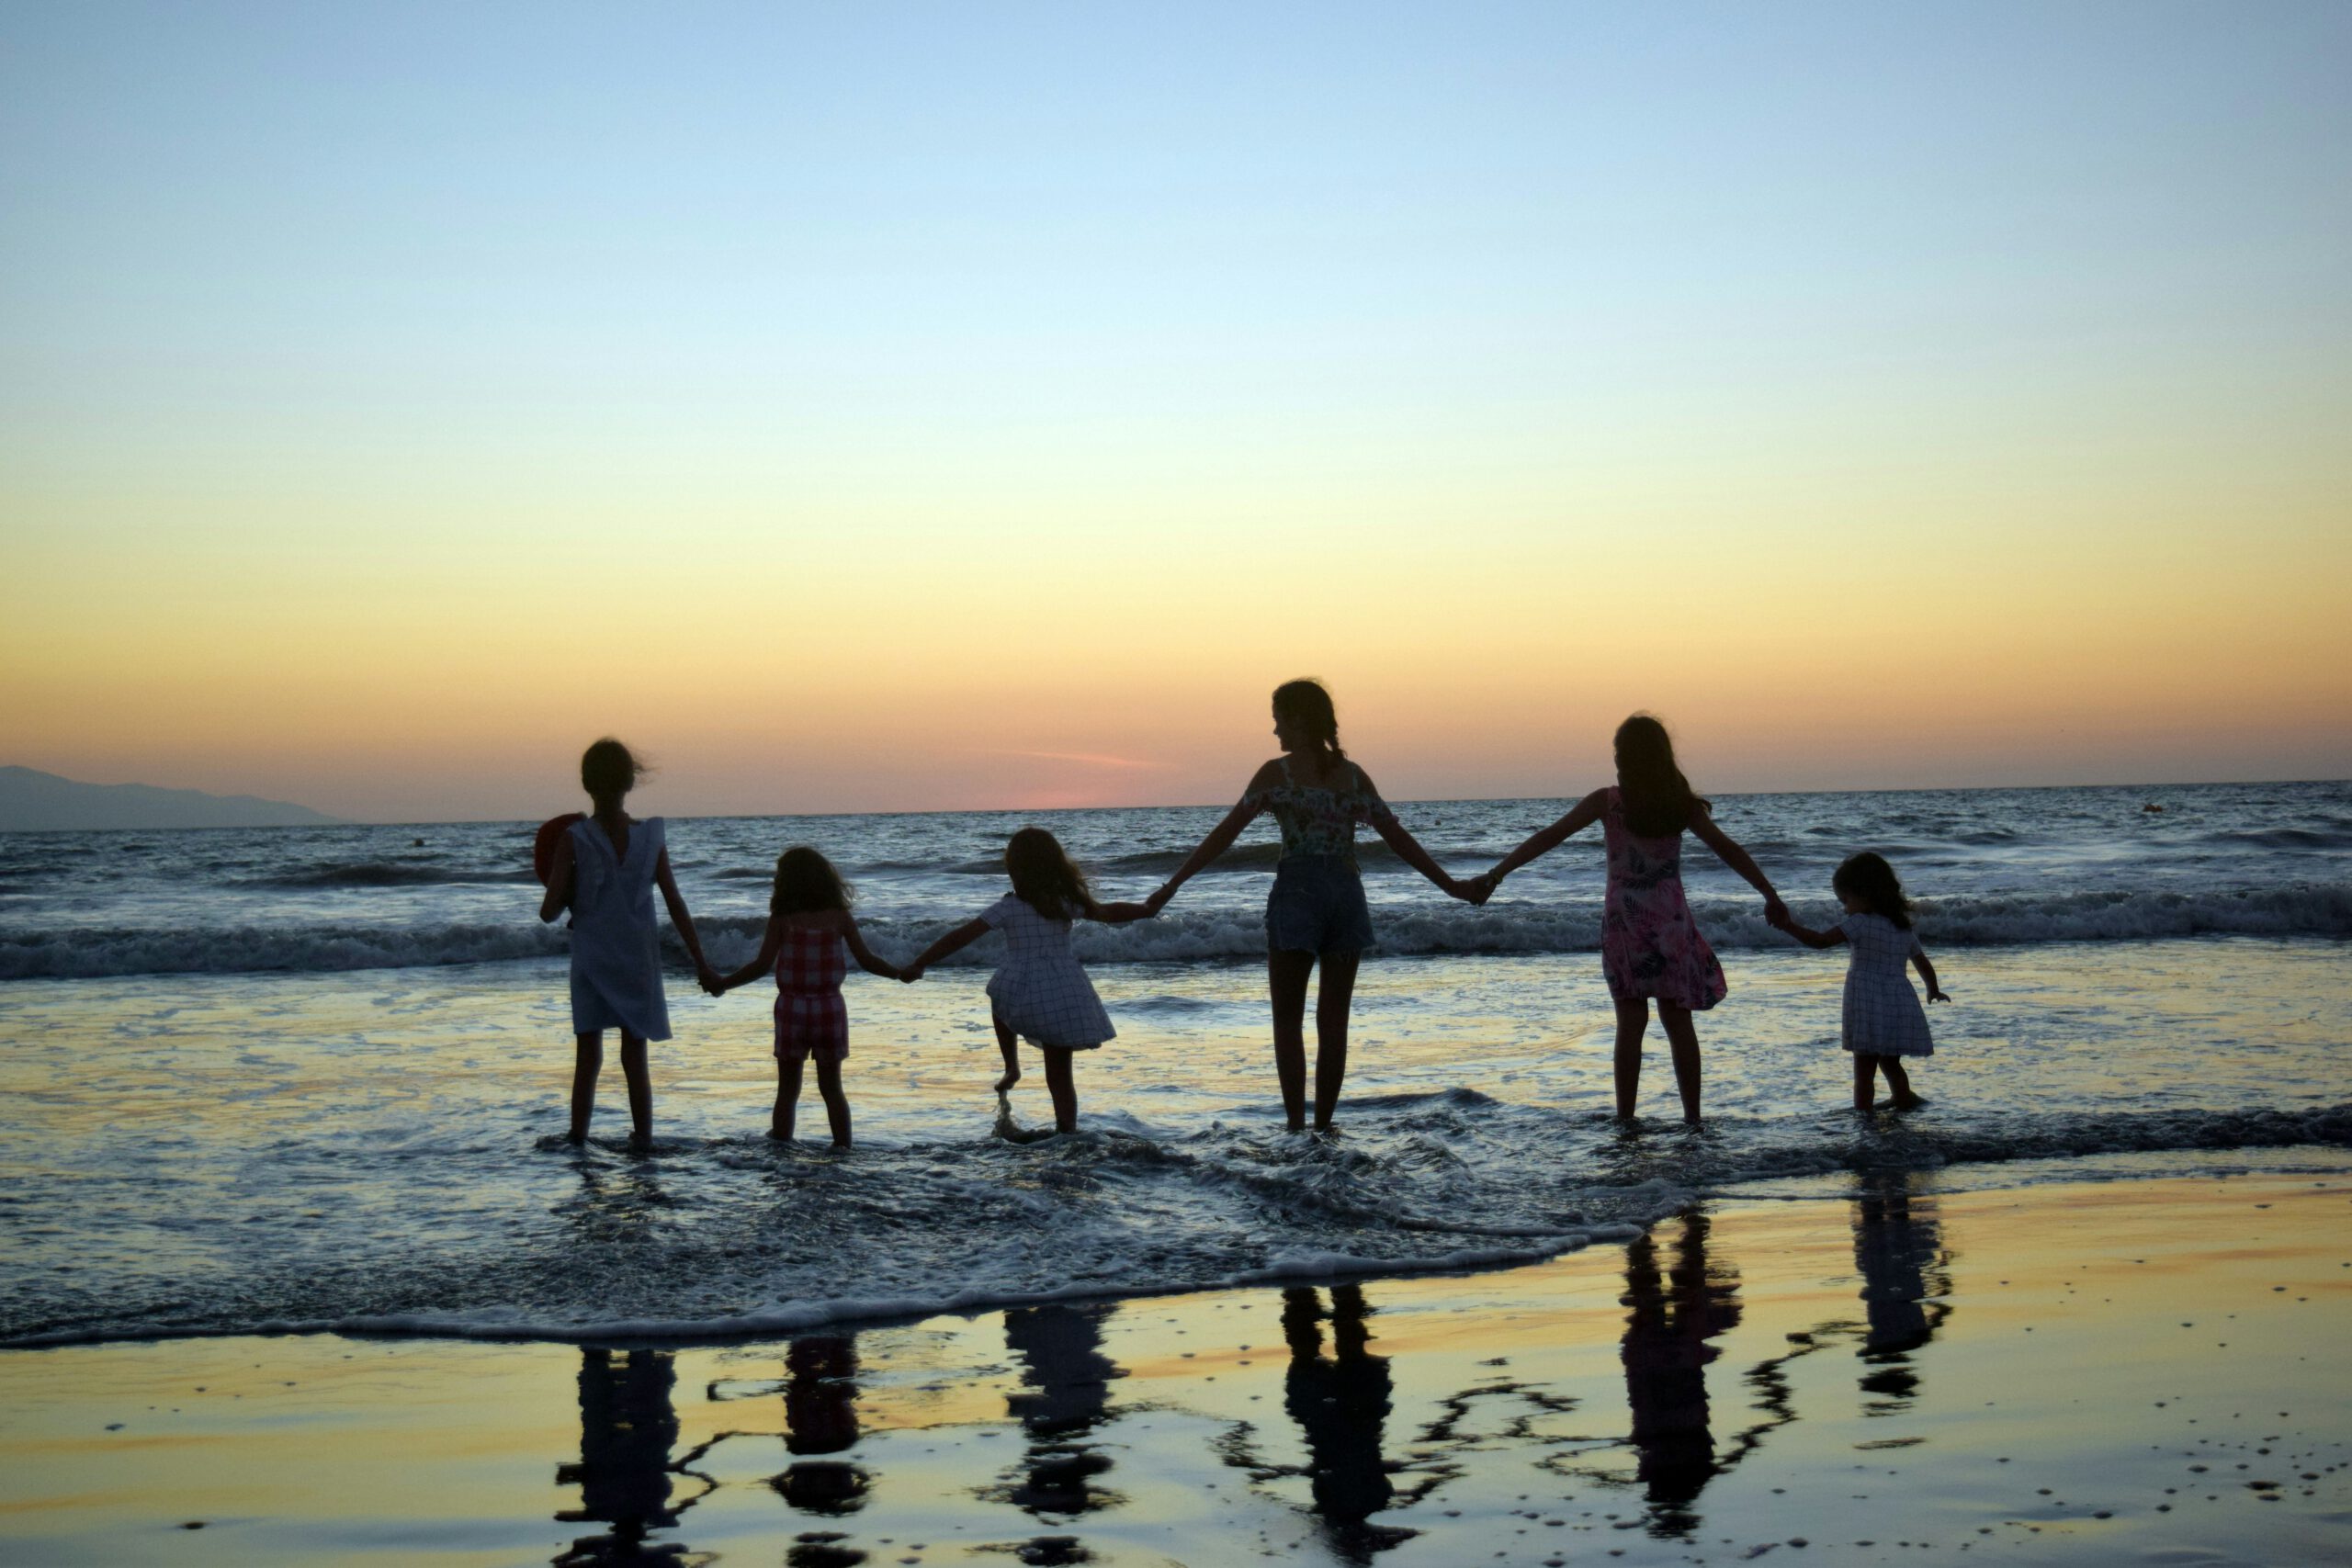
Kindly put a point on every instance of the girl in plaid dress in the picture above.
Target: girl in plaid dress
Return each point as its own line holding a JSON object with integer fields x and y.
{"x": 808, "y": 926}
{"x": 1884, "y": 1021}
{"x": 1040, "y": 992}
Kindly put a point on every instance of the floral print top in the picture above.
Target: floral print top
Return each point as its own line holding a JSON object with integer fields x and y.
{"x": 1318, "y": 819}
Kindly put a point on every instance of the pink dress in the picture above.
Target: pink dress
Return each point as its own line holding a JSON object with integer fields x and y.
{"x": 810, "y": 1016}
{"x": 1649, "y": 944}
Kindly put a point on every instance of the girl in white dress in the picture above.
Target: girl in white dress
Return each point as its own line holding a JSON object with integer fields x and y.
{"x": 1040, "y": 992}
{"x": 607, "y": 867}
{"x": 1884, "y": 1021}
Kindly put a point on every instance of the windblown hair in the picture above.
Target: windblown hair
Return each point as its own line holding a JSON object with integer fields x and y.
{"x": 1658, "y": 798}
{"x": 806, "y": 882}
{"x": 1045, "y": 878}
{"x": 609, "y": 769}
{"x": 1867, "y": 876}
{"x": 1307, "y": 703}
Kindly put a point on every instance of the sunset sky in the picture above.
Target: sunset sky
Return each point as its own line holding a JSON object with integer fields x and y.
{"x": 926, "y": 406}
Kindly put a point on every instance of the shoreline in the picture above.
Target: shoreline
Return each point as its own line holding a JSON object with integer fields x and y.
{"x": 1778, "y": 1352}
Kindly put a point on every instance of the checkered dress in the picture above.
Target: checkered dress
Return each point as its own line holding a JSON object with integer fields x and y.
{"x": 1883, "y": 1017}
{"x": 1039, "y": 988}
{"x": 810, "y": 1017}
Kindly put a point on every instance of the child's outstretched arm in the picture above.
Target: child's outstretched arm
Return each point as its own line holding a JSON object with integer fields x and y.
{"x": 1702, "y": 823}
{"x": 1543, "y": 841}
{"x": 962, "y": 937}
{"x": 703, "y": 974}
{"x": 1398, "y": 837}
{"x": 760, "y": 964}
{"x": 1807, "y": 936}
{"x": 561, "y": 878}
{"x": 1928, "y": 972}
{"x": 1220, "y": 838}
{"x": 1120, "y": 914}
{"x": 865, "y": 955}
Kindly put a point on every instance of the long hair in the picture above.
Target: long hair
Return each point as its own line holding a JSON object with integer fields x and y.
{"x": 1867, "y": 876}
{"x": 1043, "y": 876}
{"x": 806, "y": 882}
{"x": 1307, "y": 703}
{"x": 609, "y": 769}
{"x": 1658, "y": 802}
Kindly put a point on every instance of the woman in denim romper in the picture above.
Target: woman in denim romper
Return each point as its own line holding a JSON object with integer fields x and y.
{"x": 1316, "y": 912}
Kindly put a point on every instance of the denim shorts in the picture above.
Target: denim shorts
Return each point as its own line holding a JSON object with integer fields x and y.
{"x": 1317, "y": 906}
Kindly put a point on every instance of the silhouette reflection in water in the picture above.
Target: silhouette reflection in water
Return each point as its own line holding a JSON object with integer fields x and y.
{"x": 820, "y": 1417}
{"x": 1898, "y": 1251}
{"x": 1341, "y": 1403}
{"x": 627, "y": 1427}
{"x": 1065, "y": 1391}
{"x": 1674, "y": 1309}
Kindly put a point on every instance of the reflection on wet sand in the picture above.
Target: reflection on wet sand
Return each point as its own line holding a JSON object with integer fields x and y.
{"x": 820, "y": 1417}
{"x": 1341, "y": 1403}
{"x": 1065, "y": 1391}
{"x": 627, "y": 1427}
{"x": 1898, "y": 1251}
{"x": 1675, "y": 1308}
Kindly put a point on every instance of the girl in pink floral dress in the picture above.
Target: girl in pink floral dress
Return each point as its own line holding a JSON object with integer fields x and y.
{"x": 1650, "y": 947}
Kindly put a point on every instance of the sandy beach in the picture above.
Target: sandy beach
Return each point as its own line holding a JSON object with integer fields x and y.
{"x": 1853, "y": 1370}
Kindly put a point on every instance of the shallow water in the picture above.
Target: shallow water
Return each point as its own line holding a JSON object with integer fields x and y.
{"x": 379, "y": 1149}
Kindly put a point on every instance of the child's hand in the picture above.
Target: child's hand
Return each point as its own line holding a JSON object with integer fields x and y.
{"x": 1158, "y": 900}
{"x": 1776, "y": 914}
{"x": 1936, "y": 994}
{"x": 1481, "y": 887}
{"x": 911, "y": 973}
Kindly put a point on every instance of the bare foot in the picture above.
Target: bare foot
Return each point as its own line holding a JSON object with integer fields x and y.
{"x": 577, "y": 1135}
{"x": 780, "y": 1134}
{"x": 1007, "y": 1081}
{"x": 841, "y": 1144}
{"x": 1907, "y": 1103}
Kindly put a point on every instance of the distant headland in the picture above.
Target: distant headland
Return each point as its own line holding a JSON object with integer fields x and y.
{"x": 33, "y": 801}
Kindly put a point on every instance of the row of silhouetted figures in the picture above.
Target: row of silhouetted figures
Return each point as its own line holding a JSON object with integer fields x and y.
{"x": 1681, "y": 1296}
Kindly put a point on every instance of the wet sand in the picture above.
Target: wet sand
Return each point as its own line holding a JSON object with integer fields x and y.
{"x": 1857, "y": 1372}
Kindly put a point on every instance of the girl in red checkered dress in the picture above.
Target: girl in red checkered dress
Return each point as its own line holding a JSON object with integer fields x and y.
{"x": 808, "y": 926}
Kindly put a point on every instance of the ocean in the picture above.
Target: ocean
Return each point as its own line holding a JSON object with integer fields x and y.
{"x": 305, "y": 1078}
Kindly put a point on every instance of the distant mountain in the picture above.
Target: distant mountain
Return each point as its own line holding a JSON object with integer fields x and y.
{"x": 31, "y": 800}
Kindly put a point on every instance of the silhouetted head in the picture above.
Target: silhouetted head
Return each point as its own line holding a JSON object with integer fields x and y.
{"x": 1658, "y": 802}
{"x": 1043, "y": 876}
{"x": 609, "y": 769}
{"x": 805, "y": 883}
{"x": 1866, "y": 884}
{"x": 1305, "y": 720}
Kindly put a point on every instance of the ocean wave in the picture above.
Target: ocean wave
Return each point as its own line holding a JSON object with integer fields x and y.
{"x": 1124, "y": 1210}
{"x": 1427, "y": 928}
{"x": 388, "y": 873}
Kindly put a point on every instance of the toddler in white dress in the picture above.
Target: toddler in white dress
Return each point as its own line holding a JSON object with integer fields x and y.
{"x": 1884, "y": 1021}
{"x": 1040, "y": 992}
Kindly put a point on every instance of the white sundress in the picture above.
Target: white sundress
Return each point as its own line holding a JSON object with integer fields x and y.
{"x": 615, "y": 947}
{"x": 1040, "y": 990}
{"x": 1883, "y": 1017}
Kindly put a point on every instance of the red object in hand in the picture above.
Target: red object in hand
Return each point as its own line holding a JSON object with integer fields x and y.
{"x": 543, "y": 847}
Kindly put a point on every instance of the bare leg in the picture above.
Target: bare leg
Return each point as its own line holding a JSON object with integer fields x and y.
{"x": 1287, "y": 977}
{"x": 1865, "y": 1080}
{"x": 1898, "y": 1084}
{"x": 641, "y": 1088}
{"x": 828, "y": 1084}
{"x": 1682, "y": 1039}
{"x": 1331, "y": 1002}
{"x": 1632, "y": 1022}
{"x": 787, "y": 1097}
{"x": 1010, "y": 1043}
{"x": 1063, "y": 1087}
{"x": 587, "y": 1060}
